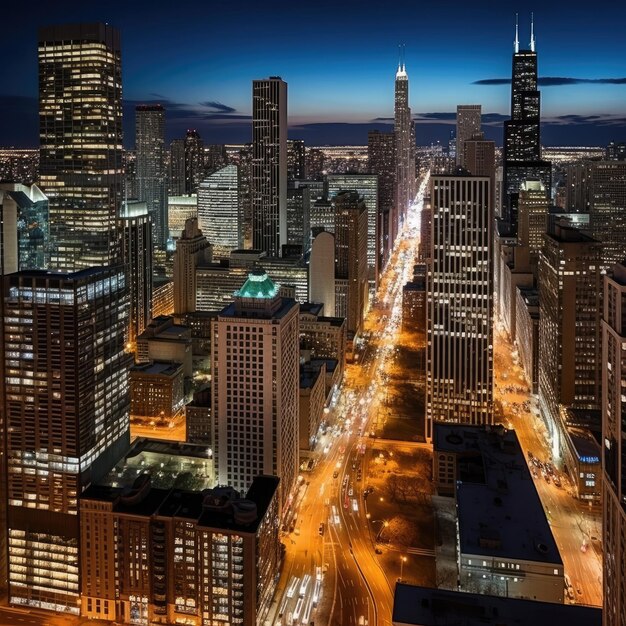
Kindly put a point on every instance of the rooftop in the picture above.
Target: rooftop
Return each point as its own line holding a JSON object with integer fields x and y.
{"x": 163, "y": 368}
{"x": 439, "y": 607}
{"x": 258, "y": 285}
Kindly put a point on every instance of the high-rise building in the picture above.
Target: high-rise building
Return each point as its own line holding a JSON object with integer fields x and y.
{"x": 192, "y": 249}
{"x": 351, "y": 286}
{"x": 137, "y": 248}
{"x": 479, "y": 159}
{"x": 299, "y": 215}
{"x": 459, "y": 379}
{"x": 24, "y": 232}
{"x": 269, "y": 165}
{"x": 296, "y": 162}
{"x": 532, "y": 225}
{"x": 255, "y": 387}
{"x": 219, "y": 210}
{"x": 570, "y": 295}
{"x": 468, "y": 123}
{"x": 366, "y": 185}
{"x": 405, "y": 152}
{"x": 80, "y": 130}
{"x": 381, "y": 161}
{"x": 245, "y": 195}
{"x": 194, "y": 161}
{"x": 67, "y": 418}
{"x": 177, "y": 168}
{"x": 522, "y": 145}
{"x": 151, "y": 174}
{"x": 614, "y": 448}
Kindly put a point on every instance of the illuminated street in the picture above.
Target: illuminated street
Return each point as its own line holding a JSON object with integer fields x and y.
{"x": 328, "y": 535}
{"x": 577, "y": 529}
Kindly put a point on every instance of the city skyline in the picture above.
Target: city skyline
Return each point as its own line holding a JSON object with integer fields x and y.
{"x": 201, "y": 69}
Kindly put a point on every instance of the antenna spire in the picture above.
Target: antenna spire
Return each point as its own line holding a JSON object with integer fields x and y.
{"x": 516, "y": 42}
{"x": 532, "y": 32}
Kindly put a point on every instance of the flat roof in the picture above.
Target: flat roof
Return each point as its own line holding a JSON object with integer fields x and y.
{"x": 163, "y": 368}
{"x": 424, "y": 606}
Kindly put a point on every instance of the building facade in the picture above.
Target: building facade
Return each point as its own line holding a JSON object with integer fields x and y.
{"x": 468, "y": 124}
{"x": 269, "y": 165}
{"x": 67, "y": 418}
{"x": 81, "y": 168}
{"x": 254, "y": 390}
{"x": 459, "y": 379}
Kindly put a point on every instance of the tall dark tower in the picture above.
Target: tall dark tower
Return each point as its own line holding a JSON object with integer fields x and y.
{"x": 522, "y": 145}
{"x": 405, "y": 153}
{"x": 80, "y": 130}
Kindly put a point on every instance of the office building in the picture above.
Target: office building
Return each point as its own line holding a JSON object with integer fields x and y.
{"x": 296, "y": 161}
{"x": 299, "y": 216}
{"x": 615, "y": 151}
{"x": 254, "y": 387}
{"x": 137, "y": 249}
{"x": 81, "y": 170}
{"x": 194, "y": 161}
{"x": 614, "y": 449}
{"x": 366, "y": 185}
{"x": 351, "y": 268}
{"x": 312, "y": 399}
{"x": 162, "y": 297}
{"x": 381, "y": 161}
{"x": 423, "y": 606}
{"x": 505, "y": 544}
{"x": 322, "y": 271}
{"x": 25, "y": 233}
{"x": 157, "y": 392}
{"x": 522, "y": 140}
{"x": 479, "y": 159}
{"x": 179, "y": 210}
{"x": 219, "y": 210}
{"x": 151, "y": 174}
{"x": 269, "y": 165}
{"x": 527, "y": 334}
{"x": 198, "y": 421}
{"x": 67, "y": 418}
{"x": 215, "y": 156}
{"x": 165, "y": 340}
{"x": 459, "y": 381}
{"x": 405, "y": 151}
{"x": 570, "y": 296}
{"x": 177, "y": 168}
{"x": 182, "y": 554}
{"x": 192, "y": 249}
{"x": 468, "y": 124}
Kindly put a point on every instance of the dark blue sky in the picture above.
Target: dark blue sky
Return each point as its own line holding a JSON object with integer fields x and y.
{"x": 339, "y": 58}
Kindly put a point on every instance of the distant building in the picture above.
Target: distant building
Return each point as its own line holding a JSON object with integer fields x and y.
{"x": 296, "y": 162}
{"x": 616, "y": 151}
{"x": 151, "y": 173}
{"x": 192, "y": 249}
{"x": 269, "y": 165}
{"x": 468, "y": 125}
{"x": 459, "y": 380}
{"x": 299, "y": 216}
{"x": 219, "y": 210}
{"x": 505, "y": 544}
{"x": 312, "y": 401}
{"x": 527, "y": 334}
{"x": 179, "y": 210}
{"x": 177, "y": 168}
{"x": 198, "y": 417}
{"x": 422, "y": 606}
{"x": 414, "y": 305}
{"x": 614, "y": 449}
{"x": 194, "y": 161}
{"x": 179, "y": 553}
{"x": 255, "y": 372}
{"x": 405, "y": 150}
{"x": 164, "y": 340}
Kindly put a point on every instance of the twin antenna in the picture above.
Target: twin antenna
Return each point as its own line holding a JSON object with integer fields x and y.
{"x": 532, "y": 33}
{"x": 401, "y": 57}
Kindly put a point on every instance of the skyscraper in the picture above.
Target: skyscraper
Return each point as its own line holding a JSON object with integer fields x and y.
{"x": 219, "y": 210}
{"x": 255, "y": 370}
{"x": 468, "y": 121}
{"x": 351, "y": 236}
{"x": 269, "y": 165}
{"x": 522, "y": 145}
{"x": 177, "y": 168}
{"x": 381, "y": 160}
{"x": 479, "y": 159}
{"x": 614, "y": 448}
{"x": 405, "y": 153}
{"x": 459, "y": 370}
{"x": 366, "y": 185}
{"x": 151, "y": 175}
{"x": 192, "y": 249}
{"x": 67, "y": 418}
{"x": 194, "y": 160}
{"x": 296, "y": 163}
{"x": 80, "y": 129}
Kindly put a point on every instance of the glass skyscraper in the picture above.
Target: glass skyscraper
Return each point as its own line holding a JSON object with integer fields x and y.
{"x": 80, "y": 117}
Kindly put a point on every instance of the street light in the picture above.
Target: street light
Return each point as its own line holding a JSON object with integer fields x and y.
{"x": 384, "y": 525}
{"x": 402, "y": 562}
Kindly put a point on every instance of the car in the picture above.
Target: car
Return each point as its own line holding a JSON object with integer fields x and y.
{"x": 350, "y": 491}
{"x": 335, "y": 474}
{"x": 378, "y": 551}
{"x": 320, "y": 530}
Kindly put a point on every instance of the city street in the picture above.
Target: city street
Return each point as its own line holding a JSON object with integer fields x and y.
{"x": 577, "y": 529}
{"x": 327, "y": 535}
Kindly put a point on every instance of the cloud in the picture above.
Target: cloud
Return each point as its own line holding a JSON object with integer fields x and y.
{"x": 552, "y": 81}
{"x": 218, "y": 106}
